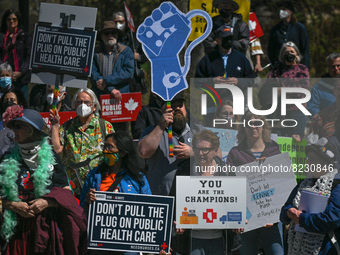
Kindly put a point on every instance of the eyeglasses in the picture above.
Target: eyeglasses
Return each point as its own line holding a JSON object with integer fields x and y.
{"x": 255, "y": 124}
{"x": 79, "y": 102}
{"x": 203, "y": 150}
{"x": 14, "y": 19}
{"x": 176, "y": 104}
{"x": 109, "y": 147}
{"x": 334, "y": 67}
{"x": 109, "y": 33}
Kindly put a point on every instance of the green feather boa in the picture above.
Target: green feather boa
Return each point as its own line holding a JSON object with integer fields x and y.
{"x": 9, "y": 171}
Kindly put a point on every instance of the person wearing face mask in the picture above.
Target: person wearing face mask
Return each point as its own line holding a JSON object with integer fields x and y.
{"x": 41, "y": 98}
{"x": 288, "y": 73}
{"x": 128, "y": 38}
{"x": 288, "y": 29}
{"x": 81, "y": 137}
{"x": 240, "y": 30}
{"x": 6, "y": 74}
{"x": 120, "y": 171}
{"x": 224, "y": 65}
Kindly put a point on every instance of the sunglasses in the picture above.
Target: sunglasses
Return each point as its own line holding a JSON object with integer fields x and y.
{"x": 109, "y": 33}
{"x": 20, "y": 126}
{"x": 203, "y": 150}
{"x": 12, "y": 19}
{"x": 255, "y": 124}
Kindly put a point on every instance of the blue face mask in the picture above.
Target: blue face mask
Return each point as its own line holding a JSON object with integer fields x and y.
{"x": 5, "y": 82}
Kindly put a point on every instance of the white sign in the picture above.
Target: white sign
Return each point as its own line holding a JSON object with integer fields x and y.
{"x": 270, "y": 182}
{"x": 210, "y": 202}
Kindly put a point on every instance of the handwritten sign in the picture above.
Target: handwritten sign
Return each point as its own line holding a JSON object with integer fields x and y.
{"x": 211, "y": 202}
{"x": 130, "y": 222}
{"x": 269, "y": 184}
{"x": 60, "y": 50}
{"x": 126, "y": 110}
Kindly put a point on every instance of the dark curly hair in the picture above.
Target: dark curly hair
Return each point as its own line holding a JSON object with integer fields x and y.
{"x": 20, "y": 98}
{"x": 6, "y": 14}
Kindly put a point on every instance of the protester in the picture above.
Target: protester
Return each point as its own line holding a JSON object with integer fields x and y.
{"x": 113, "y": 63}
{"x": 11, "y": 97}
{"x": 254, "y": 144}
{"x": 81, "y": 137}
{"x": 323, "y": 227}
{"x": 41, "y": 98}
{"x": 225, "y": 112}
{"x": 228, "y": 17}
{"x": 288, "y": 29}
{"x": 137, "y": 84}
{"x": 323, "y": 92}
{"x": 119, "y": 172}
{"x": 289, "y": 73}
{"x": 15, "y": 49}
{"x": 206, "y": 150}
{"x": 41, "y": 216}
{"x": 154, "y": 145}
{"x": 6, "y": 75}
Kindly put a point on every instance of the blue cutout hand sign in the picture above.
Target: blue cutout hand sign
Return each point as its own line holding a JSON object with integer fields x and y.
{"x": 163, "y": 35}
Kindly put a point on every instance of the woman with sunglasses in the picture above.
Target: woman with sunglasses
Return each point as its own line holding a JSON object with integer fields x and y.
{"x": 40, "y": 214}
{"x": 255, "y": 143}
{"x": 119, "y": 172}
{"x": 15, "y": 48}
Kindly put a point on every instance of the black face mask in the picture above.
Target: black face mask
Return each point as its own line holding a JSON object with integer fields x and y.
{"x": 8, "y": 104}
{"x": 227, "y": 42}
{"x": 289, "y": 57}
{"x": 226, "y": 13}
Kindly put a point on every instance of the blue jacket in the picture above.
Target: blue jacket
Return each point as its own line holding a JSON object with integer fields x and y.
{"x": 322, "y": 97}
{"x": 123, "y": 70}
{"x": 126, "y": 185}
{"x": 328, "y": 220}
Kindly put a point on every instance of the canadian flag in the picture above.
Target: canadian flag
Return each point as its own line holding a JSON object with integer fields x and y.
{"x": 129, "y": 18}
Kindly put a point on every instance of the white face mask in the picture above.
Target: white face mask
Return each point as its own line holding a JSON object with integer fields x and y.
{"x": 84, "y": 110}
{"x": 284, "y": 14}
{"x": 121, "y": 25}
{"x": 49, "y": 98}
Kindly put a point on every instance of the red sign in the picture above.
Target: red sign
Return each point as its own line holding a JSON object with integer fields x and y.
{"x": 64, "y": 116}
{"x": 126, "y": 110}
{"x": 254, "y": 27}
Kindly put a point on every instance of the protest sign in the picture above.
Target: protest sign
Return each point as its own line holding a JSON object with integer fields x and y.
{"x": 63, "y": 45}
{"x": 163, "y": 35}
{"x": 269, "y": 183}
{"x": 211, "y": 202}
{"x": 126, "y": 110}
{"x": 60, "y": 50}
{"x": 130, "y": 222}
{"x": 227, "y": 140}
{"x": 297, "y": 153}
{"x": 64, "y": 116}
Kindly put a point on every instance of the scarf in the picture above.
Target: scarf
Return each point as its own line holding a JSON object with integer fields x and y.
{"x": 29, "y": 153}
{"x": 9, "y": 170}
{"x": 9, "y": 45}
{"x": 308, "y": 243}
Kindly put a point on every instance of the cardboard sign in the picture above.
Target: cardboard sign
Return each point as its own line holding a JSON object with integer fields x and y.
{"x": 254, "y": 27}
{"x": 269, "y": 183}
{"x": 163, "y": 35}
{"x": 64, "y": 116}
{"x": 59, "y": 50}
{"x": 125, "y": 110}
{"x": 210, "y": 202}
{"x": 130, "y": 222}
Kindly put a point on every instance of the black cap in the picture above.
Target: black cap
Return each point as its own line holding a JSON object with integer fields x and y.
{"x": 288, "y": 5}
{"x": 223, "y": 31}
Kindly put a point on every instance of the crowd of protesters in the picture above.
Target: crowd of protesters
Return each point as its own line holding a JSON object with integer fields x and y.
{"x": 42, "y": 175}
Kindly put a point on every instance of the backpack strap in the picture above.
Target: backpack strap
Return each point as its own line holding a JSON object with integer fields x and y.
{"x": 116, "y": 182}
